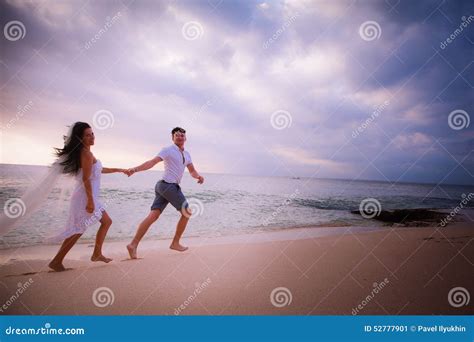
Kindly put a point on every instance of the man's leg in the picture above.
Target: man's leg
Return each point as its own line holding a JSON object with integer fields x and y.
{"x": 142, "y": 229}
{"x": 180, "y": 227}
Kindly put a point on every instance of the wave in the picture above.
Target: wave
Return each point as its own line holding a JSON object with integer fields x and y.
{"x": 392, "y": 202}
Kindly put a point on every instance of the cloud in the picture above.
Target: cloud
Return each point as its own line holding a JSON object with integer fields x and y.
{"x": 248, "y": 60}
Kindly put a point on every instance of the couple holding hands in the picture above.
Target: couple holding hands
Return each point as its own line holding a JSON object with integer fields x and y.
{"x": 76, "y": 158}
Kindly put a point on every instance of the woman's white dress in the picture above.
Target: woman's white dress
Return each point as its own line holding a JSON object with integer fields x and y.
{"x": 79, "y": 219}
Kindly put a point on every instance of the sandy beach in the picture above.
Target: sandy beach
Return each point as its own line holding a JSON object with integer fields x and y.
{"x": 397, "y": 271}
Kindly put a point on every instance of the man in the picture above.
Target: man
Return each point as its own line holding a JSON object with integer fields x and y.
{"x": 167, "y": 190}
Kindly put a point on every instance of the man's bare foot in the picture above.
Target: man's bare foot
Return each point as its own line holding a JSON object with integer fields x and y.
{"x": 132, "y": 250}
{"x": 56, "y": 266}
{"x": 178, "y": 247}
{"x": 100, "y": 258}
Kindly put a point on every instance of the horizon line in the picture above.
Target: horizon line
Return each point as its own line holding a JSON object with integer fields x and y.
{"x": 321, "y": 178}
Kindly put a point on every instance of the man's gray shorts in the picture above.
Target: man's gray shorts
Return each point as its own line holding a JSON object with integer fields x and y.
{"x": 168, "y": 193}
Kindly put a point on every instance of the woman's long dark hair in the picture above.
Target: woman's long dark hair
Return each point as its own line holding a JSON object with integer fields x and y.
{"x": 70, "y": 155}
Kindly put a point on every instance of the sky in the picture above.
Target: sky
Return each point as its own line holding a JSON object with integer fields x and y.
{"x": 378, "y": 90}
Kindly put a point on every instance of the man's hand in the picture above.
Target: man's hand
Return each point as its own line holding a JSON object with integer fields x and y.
{"x": 200, "y": 180}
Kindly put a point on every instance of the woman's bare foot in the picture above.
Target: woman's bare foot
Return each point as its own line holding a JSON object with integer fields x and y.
{"x": 178, "y": 247}
{"x": 100, "y": 258}
{"x": 132, "y": 250}
{"x": 56, "y": 266}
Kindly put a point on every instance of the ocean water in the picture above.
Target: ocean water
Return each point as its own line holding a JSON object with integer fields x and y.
{"x": 223, "y": 205}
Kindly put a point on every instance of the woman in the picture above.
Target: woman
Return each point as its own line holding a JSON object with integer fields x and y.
{"x": 77, "y": 159}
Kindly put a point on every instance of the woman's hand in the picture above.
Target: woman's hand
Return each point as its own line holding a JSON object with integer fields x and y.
{"x": 90, "y": 207}
{"x": 200, "y": 180}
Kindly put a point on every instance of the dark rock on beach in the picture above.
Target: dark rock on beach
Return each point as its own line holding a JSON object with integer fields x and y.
{"x": 407, "y": 217}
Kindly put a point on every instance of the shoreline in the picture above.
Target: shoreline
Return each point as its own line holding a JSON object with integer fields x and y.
{"x": 267, "y": 233}
{"x": 115, "y": 245}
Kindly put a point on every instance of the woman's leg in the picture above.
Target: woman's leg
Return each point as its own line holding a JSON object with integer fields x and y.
{"x": 57, "y": 263}
{"x": 105, "y": 223}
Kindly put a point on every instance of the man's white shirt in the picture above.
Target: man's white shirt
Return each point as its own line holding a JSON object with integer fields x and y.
{"x": 173, "y": 159}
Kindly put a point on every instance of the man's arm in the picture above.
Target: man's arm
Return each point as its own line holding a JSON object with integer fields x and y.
{"x": 145, "y": 166}
{"x": 195, "y": 174}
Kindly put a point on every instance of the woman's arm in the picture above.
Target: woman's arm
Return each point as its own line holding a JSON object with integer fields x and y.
{"x": 86, "y": 164}
{"x": 112, "y": 170}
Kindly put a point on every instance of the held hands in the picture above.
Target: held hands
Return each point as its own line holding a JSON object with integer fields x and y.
{"x": 129, "y": 172}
